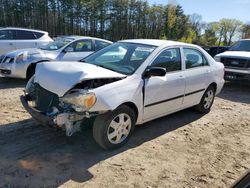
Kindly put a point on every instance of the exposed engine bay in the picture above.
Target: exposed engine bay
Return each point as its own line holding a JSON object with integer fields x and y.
{"x": 69, "y": 111}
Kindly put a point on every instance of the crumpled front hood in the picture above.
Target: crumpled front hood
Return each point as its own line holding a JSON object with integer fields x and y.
{"x": 59, "y": 77}
{"x": 234, "y": 54}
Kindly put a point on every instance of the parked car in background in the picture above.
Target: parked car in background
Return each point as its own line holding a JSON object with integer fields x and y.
{"x": 214, "y": 50}
{"x": 12, "y": 38}
{"x": 22, "y": 63}
{"x": 127, "y": 83}
{"x": 236, "y": 61}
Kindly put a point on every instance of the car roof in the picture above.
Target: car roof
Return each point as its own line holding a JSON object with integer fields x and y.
{"x": 77, "y": 37}
{"x": 25, "y": 29}
{"x": 156, "y": 42}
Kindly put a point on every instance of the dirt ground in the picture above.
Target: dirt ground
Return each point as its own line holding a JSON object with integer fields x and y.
{"x": 185, "y": 149}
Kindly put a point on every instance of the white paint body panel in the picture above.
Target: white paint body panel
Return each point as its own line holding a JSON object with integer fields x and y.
{"x": 62, "y": 76}
{"x": 237, "y": 54}
{"x": 60, "y": 79}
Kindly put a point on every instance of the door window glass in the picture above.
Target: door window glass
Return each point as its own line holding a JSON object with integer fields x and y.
{"x": 24, "y": 35}
{"x": 169, "y": 59}
{"x": 194, "y": 58}
{"x": 100, "y": 44}
{"x": 7, "y": 34}
{"x": 38, "y": 34}
{"x": 82, "y": 46}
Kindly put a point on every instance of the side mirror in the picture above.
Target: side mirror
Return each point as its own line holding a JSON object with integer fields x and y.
{"x": 69, "y": 49}
{"x": 154, "y": 71}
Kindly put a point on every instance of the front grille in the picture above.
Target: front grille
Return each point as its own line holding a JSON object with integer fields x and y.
{"x": 236, "y": 63}
{"x": 45, "y": 100}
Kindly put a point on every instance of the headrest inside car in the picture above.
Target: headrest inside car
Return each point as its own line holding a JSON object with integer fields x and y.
{"x": 192, "y": 57}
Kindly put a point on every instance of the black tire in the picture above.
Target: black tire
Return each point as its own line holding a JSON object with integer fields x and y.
{"x": 203, "y": 107}
{"x": 102, "y": 125}
{"x": 30, "y": 72}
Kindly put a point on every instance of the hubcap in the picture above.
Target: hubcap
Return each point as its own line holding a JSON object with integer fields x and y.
{"x": 208, "y": 99}
{"x": 119, "y": 128}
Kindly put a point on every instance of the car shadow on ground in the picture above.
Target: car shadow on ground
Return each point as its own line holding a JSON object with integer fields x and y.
{"x": 38, "y": 155}
{"x": 236, "y": 92}
{"x": 6, "y": 83}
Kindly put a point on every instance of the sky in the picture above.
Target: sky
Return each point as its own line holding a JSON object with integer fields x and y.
{"x": 214, "y": 10}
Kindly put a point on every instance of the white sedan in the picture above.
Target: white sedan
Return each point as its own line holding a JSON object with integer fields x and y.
{"x": 22, "y": 63}
{"x": 127, "y": 83}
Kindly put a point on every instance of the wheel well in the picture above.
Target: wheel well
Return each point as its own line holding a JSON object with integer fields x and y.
{"x": 214, "y": 85}
{"x": 133, "y": 107}
{"x": 33, "y": 65}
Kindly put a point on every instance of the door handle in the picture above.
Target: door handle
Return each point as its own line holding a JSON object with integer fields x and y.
{"x": 11, "y": 44}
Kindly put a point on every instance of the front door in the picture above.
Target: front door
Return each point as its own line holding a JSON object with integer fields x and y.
{"x": 165, "y": 94}
{"x": 78, "y": 50}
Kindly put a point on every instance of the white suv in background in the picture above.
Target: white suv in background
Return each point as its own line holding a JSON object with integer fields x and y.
{"x": 236, "y": 61}
{"x": 12, "y": 38}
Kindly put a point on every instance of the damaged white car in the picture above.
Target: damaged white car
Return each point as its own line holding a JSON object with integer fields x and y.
{"x": 127, "y": 83}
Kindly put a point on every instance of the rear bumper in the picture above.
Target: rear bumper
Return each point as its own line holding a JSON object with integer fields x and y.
{"x": 36, "y": 114}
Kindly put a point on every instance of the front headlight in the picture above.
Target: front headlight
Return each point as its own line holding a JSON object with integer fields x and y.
{"x": 81, "y": 100}
{"x": 217, "y": 58}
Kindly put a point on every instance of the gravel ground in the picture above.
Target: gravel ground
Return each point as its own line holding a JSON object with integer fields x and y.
{"x": 185, "y": 149}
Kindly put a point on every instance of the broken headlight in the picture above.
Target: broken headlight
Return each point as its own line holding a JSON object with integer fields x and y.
{"x": 80, "y": 99}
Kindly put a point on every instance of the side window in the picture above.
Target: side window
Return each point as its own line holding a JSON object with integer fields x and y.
{"x": 38, "y": 34}
{"x": 7, "y": 35}
{"x": 24, "y": 35}
{"x": 100, "y": 45}
{"x": 115, "y": 55}
{"x": 82, "y": 46}
{"x": 169, "y": 59}
{"x": 194, "y": 58}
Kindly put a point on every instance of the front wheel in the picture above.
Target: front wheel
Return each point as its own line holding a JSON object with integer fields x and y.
{"x": 206, "y": 101}
{"x": 113, "y": 129}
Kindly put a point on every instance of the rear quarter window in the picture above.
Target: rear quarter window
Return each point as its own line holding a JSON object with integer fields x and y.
{"x": 38, "y": 34}
{"x": 24, "y": 35}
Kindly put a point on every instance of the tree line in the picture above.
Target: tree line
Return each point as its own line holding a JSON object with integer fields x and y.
{"x": 119, "y": 19}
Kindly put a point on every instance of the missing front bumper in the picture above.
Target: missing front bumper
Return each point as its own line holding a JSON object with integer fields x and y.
{"x": 36, "y": 114}
{"x": 69, "y": 121}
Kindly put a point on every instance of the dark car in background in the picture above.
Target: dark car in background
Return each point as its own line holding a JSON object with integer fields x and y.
{"x": 214, "y": 50}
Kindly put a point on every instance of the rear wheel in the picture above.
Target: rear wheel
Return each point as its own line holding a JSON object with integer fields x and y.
{"x": 113, "y": 129}
{"x": 207, "y": 100}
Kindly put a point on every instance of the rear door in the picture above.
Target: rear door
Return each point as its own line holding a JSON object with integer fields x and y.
{"x": 7, "y": 41}
{"x": 76, "y": 50}
{"x": 100, "y": 45}
{"x": 196, "y": 72}
{"x": 25, "y": 39}
{"x": 165, "y": 94}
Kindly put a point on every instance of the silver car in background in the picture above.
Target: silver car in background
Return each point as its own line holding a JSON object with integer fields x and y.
{"x": 22, "y": 63}
{"x": 12, "y": 38}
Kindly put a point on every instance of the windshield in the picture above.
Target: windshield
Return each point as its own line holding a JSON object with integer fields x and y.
{"x": 121, "y": 57}
{"x": 243, "y": 45}
{"x": 57, "y": 44}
